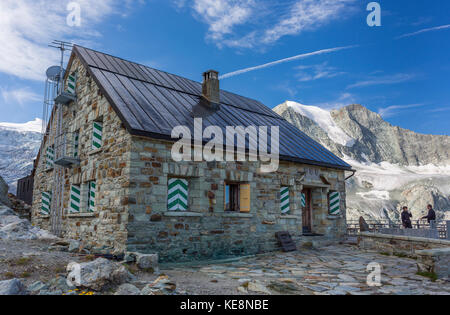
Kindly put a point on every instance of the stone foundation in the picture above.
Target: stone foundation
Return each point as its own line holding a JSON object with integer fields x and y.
{"x": 399, "y": 245}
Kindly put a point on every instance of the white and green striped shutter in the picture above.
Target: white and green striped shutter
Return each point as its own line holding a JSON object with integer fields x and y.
{"x": 76, "y": 144}
{"x": 50, "y": 158}
{"x": 91, "y": 199}
{"x": 97, "y": 135}
{"x": 46, "y": 203}
{"x": 75, "y": 199}
{"x": 285, "y": 203}
{"x": 92, "y": 191}
{"x": 335, "y": 203}
{"x": 71, "y": 83}
{"x": 177, "y": 195}
{"x": 303, "y": 200}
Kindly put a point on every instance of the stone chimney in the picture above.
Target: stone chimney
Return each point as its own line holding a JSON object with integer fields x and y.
{"x": 211, "y": 86}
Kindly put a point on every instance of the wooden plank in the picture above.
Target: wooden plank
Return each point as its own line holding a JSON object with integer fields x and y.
{"x": 285, "y": 241}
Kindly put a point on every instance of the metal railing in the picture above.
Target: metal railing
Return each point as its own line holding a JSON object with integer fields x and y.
{"x": 67, "y": 146}
{"x": 376, "y": 226}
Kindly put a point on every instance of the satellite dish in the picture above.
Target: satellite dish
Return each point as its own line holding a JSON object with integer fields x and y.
{"x": 53, "y": 73}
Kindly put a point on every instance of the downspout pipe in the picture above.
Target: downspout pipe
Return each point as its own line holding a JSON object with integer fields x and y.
{"x": 353, "y": 174}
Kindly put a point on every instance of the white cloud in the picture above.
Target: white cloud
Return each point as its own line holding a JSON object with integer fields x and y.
{"x": 223, "y": 15}
{"x": 307, "y": 15}
{"x": 396, "y": 109}
{"x": 316, "y": 72}
{"x": 384, "y": 80}
{"x": 426, "y": 30}
{"x": 19, "y": 96}
{"x": 250, "y": 23}
{"x": 28, "y": 26}
{"x": 277, "y": 62}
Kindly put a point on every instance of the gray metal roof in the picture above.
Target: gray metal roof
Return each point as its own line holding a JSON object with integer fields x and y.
{"x": 152, "y": 102}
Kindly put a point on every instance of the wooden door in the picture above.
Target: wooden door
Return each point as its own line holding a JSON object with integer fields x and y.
{"x": 307, "y": 211}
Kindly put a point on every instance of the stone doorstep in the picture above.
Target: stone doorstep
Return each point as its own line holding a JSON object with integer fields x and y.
{"x": 405, "y": 238}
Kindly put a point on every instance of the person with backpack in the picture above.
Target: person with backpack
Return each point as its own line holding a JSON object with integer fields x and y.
{"x": 406, "y": 218}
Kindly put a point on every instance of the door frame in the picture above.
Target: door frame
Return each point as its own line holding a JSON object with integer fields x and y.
{"x": 307, "y": 212}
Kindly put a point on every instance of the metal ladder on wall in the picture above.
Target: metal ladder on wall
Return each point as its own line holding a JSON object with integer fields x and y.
{"x": 56, "y": 137}
{"x": 58, "y": 178}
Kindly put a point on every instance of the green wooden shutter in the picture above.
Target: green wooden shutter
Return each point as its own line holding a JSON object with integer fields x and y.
{"x": 50, "y": 158}
{"x": 71, "y": 84}
{"x": 97, "y": 136}
{"x": 285, "y": 204}
{"x": 303, "y": 200}
{"x": 76, "y": 144}
{"x": 92, "y": 191}
{"x": 177, "y": 199}
{"x": 335, "y": 203}
{"x": 46, "y": 203}
{"x": 75, "y": 199}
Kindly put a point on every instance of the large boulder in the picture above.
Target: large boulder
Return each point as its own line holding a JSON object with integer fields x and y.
{"x": 161, "y": 286}
{"x": 363, "y": 226}
{"x": 4, "y": 193}
{"x": 97, "y": 275}
{"x": 147, "y": 262}
{"x": 12, "y": 287}
{"x": 14, "y": 228}
{"x": 127, "y": 289}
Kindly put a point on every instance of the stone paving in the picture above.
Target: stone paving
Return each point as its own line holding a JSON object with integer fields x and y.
{"x": 333, "y": 270}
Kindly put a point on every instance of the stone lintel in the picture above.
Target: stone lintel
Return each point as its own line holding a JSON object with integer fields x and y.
{"x": 182, "y": 214}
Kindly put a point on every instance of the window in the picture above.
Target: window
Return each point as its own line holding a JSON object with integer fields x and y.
{"x": 50, "y": 157}
{"x": 46, "y": 203}
{"x": 75, "y": 199}
{"x": 76, "y": 144}
{"x": 97, "y": 135}
{"x": 334, "y": 200}
{"x": 237, "y": 197}
{"x": 178, "y": 193}
{"x": 91, "y": 196}
{"x": 285, "y": 200}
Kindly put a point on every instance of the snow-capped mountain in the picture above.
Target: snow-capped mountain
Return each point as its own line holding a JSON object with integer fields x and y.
{"x": 395, "y": 166}
{"x": 19, "y": 146}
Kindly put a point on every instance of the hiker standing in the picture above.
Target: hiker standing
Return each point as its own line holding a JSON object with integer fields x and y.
{"x": 431, "y": 216}
{"x": 406, "y": 218}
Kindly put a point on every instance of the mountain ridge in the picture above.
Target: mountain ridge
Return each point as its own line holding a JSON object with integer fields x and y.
{"x": 395, "y": 166}
{"x": 19, "y": 145}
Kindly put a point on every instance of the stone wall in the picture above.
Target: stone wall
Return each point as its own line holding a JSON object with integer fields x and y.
{"x": 435, "y": 261}
{"x": 206, "y": 230}
{"x": 109, "y": 167}
{"x": 398, "y": 245}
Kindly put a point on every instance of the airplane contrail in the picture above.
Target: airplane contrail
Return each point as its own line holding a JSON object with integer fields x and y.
{"x": 437, "y": 28}
{"x": 273, "y": 63}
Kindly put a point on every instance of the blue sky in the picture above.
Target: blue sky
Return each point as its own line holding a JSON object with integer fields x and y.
{"x": 400, "y": 69}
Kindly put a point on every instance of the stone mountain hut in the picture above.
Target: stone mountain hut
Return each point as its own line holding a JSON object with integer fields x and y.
{"x": 105, "y": 173}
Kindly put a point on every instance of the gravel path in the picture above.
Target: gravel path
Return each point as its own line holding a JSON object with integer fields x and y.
{"x": 332, "y": 270}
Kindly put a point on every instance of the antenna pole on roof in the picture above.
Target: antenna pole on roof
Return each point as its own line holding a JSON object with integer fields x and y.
{"x": 62, "y": 46}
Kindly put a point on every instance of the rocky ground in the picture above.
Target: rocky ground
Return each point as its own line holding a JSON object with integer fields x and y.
{"x": 336, "y": 270}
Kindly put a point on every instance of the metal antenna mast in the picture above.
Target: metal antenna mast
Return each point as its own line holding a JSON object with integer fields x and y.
{"x": 54, "y": 133}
